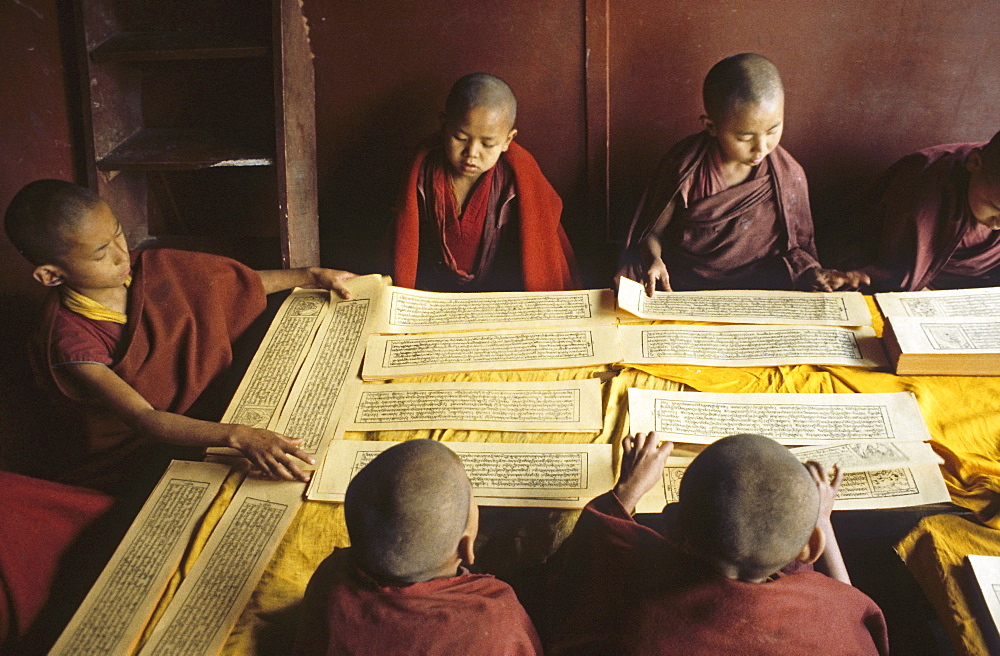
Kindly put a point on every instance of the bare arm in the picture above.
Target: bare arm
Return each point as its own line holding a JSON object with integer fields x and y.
{"x": 831, "y": 562}
{"x": 270, "y": 452}
{"x": 651, "y": 253}
{"x": 642, "y": 467}
{"x": 276, "y": 280}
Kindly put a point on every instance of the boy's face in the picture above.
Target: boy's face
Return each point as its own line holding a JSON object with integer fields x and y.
{"x": 748, "y": 134}
{"x": 474, "y": 142}
{"x": 984, "y": 193}
{"x": 98, "y": 255}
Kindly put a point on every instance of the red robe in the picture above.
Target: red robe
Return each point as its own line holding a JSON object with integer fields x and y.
{"x": 923, "y": 214}
{"x": 346, "y": 612}
{"x": 40, "y": 523}
{"x": 755, "y": 235}
{"x": 528, "y": 214}
{"x": 623, "y": 588}
{"x": 184, "y": 312}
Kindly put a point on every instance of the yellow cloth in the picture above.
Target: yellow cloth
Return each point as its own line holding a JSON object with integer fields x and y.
{"x": 89, "y": 308}
{"x": 934, "y": 552}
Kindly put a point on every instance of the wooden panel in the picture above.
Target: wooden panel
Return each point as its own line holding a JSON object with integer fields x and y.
{"x": 181, "y": 149}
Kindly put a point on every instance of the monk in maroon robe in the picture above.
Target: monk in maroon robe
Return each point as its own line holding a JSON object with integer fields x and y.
{"x": 730, "y": 572}
{"x": 402, "y": 588}
{"x": 939, "y": 217}
{"x": 729, "y": 208}
{"x": 477, "y": 214}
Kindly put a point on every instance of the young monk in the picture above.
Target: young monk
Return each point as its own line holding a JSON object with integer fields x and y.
{"x": 476, "y": 213}
{"x": 939, "y": 216}
{"x": 401, "y": 588}
{"x": 725, "y": 575}
{"x": 134, "y": 338}
{"x": 729, "y": 208}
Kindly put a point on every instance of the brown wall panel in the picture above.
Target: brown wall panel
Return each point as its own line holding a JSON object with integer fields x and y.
{"x": 867, "y": 82}
{"x": 383, "y": 70}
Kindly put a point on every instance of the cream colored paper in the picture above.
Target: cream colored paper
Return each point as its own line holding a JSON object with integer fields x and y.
{"x": 986, "y": 579}
{"x": 412, "y": 311}
{"x": 747, "y": 306}
{"x": 264, "y": 387}
{"x": 496, "y": 350}
{"x": 791, "y": 419}
{"x": 330, "y": 373}
{"x": 112, "y": 617}
{"x": 529, "y": 475}
{"x": 212, "y": 596}
{"x": 751, "y": 346}
{"x": 557, "y": 406}
{"x": 983, "y": 302}
{"x": 895, "y": 487}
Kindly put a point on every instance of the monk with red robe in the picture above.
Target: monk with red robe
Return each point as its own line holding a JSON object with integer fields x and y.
{"x": 729, "y": 208}
{"x": 939, "y": 216}
{"x": 477, "y": 214}
{"x": 729, "y": 571}
{"x": 133, "y": 339}
{"x": 401, "y": 588}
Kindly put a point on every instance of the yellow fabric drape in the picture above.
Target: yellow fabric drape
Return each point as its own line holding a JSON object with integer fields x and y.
{"x": 89, "y": 308}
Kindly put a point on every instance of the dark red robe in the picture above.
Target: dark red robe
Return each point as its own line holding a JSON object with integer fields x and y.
{"x": 755, "y": 235}
{"x": 185, "y": 310}
{"x": 40, "y": 523}
{"x": 923, "y": 215}
{"x": 617, "y": 587}
{"x": 524, "y": 246}
{"x": 345, "y": 613}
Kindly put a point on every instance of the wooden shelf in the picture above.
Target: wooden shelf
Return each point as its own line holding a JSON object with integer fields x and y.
{"x": 172, "y": 46}
{"x": 182, "y": 149}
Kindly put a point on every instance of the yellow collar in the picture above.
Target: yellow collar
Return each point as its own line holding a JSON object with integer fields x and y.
{"x": 88, "y": 307}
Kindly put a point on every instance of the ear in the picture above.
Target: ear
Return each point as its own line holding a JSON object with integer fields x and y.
{"x": 510, "y": 137}
{"x": 466, "y": 549}
{"x": 814, "y": 548}
{"x": 974, "y": 163}
{"x": 48, "y": 274}
{"x": 709, "y": 125}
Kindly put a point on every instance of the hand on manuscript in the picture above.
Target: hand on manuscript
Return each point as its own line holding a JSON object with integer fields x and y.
{"x": 268, "y": 451}
{"x": 832, "y": 280}
{"x": 332, "y": 279}
{"x": 831, "y": 561}
{"x": 643, "y": 458}
{"x": 656, "y": 277}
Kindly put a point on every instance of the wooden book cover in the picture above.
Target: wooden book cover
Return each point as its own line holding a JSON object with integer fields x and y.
{"x": 950, "y": 346}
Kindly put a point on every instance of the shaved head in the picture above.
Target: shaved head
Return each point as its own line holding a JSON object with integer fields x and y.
{"x": 738, "y": 82}
{"x": 480, "y": 90}
{"x": 407, "y": 510}
{"x": 41, "y": 216}
{"x": 747, "y": 503}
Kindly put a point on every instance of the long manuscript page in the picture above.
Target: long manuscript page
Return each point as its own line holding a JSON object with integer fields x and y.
{"x": 529, "y": 475}
{"x": 390, "y": 356}
{"x": 947, "y": 335}
{"x": 211, "y": 598}
{"x": 111, "y": 618}
{"x": 750, "y": 346}
{"x": 791, "y": 419}
{"x": 330, "y": 373}
{"x": 411, "y": 311}
{"x": 746, "y": 306}
{"x": 559, "y": 406}
{"x": 876, "y": 475}
{"x": 984, "y": 302}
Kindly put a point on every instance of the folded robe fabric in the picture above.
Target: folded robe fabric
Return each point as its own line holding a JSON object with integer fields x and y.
{"x": 924, "y": 213}
{"x": 758, "y": 234}
{"x": 547, "y": 259}
{"x": 40, "y": 522}
{"x": 185, "y": 310}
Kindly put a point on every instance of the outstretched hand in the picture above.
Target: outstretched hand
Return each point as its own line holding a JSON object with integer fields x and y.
{"x": 827, "y": 488}
{"x": 656, "y": 277}
{"x": 332, "y": 279}
{"x": 832, "y": 280}
{"x": 643, "y": 458}
{"x": 270, "y": 452}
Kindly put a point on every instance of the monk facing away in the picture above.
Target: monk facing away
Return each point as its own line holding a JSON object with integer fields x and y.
{"x": 729, "y": 208}
{"x": 728, "y": 572}
{"x": 477, "y": 214}
{"x": 938, "y": 212}
{"x": 131, "y": 340}
{"x": 401, "y": 588}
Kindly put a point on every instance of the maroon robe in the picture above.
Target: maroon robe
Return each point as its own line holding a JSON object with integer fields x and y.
{"x": 346, "y": 612}
{"x": 618, "y": 587}
{"x": 755, "y": 235}
{"x": 924, "y": 216}
{"x": 184, "y": 312}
